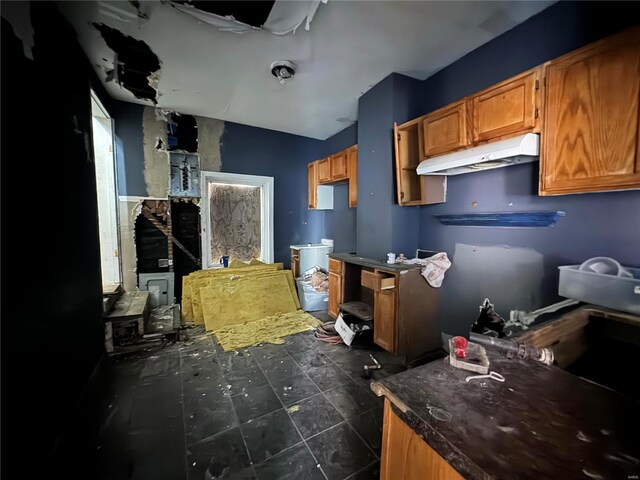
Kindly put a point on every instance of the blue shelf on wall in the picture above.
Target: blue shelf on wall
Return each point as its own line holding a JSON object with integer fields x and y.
{"x": 502, "y": 219}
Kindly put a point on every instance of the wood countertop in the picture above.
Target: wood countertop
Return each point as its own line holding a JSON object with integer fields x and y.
{"x": 542, "y": 422}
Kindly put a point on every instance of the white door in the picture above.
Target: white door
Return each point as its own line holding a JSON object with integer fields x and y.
{"x": 237, "y": 217}
{"x": 103, "y": 149}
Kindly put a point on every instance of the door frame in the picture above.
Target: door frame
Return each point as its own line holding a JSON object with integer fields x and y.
{"x": 266, "y": 207}
{"x": 116, "y": 198}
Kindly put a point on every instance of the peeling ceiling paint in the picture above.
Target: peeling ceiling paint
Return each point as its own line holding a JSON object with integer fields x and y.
{"x": 351, "y": 46}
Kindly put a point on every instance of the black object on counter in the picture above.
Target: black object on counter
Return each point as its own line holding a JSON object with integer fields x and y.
{"x": 489, "y": 322}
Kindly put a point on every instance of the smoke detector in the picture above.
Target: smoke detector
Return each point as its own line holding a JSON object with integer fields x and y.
{"x": 283, "y": 70}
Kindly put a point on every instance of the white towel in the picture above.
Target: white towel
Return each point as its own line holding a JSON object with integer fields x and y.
{"x": 434, "y": 268}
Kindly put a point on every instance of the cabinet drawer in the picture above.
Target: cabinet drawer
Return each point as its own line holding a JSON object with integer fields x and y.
{"x": 377, "y": 281}
{"x": 335, "y": 266}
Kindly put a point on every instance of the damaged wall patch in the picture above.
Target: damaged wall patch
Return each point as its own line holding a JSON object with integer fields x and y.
{"x": 137, "y": 67}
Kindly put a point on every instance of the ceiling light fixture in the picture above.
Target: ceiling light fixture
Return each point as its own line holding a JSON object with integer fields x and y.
{"x": 283, "y": 70}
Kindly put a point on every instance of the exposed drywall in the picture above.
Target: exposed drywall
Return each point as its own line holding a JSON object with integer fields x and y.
{"x": 136, "y": 67}
{"x": 156, "y": 159}
{"x": 129, "y": 211}
{"x": 209, "y": 134}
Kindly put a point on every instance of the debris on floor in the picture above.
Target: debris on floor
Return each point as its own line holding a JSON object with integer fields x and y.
{"x": 271, "y": 329}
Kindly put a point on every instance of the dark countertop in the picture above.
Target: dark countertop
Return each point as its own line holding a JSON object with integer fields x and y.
{"x": 542, "y": 422}
{"x": 372, "y": 263}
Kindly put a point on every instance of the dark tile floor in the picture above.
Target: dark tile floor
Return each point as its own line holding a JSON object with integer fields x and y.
{"x": 192, "y": 411}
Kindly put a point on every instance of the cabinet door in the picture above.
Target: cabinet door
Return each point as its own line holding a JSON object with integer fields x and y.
{"x": 590, "y": 140}
{"x": 508, "y": 108}
{"x": 312, "y": 184}
{"x": 335, "y": 294}
{"x": 295, "y": 262}
{"x": 324, "y": 170}
{"x": 406, "y": 455}
{"x": 445, "y": 130}
{"x": 338, "y": 166}
{"x": 409, "y": 185}
{"x": 352, "y": 170}
{"x": 384, "y": 319}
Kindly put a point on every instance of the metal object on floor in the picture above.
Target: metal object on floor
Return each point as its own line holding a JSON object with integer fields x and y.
{"x": 367, "y": 368}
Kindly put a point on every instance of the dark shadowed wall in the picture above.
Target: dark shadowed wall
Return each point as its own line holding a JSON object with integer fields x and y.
{"x": 52, "y": 332}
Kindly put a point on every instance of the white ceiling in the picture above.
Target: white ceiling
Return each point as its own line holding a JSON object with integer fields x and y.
{"x": 351, "y": 46}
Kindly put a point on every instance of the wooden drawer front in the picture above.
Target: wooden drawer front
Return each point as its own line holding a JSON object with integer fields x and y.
{"x": 335, "y": 266}
{"x": 506, "y": 109}
{"x": 339, "y": 166}
{"x": 445, "y": 130}
{"x": 377, "y": 281}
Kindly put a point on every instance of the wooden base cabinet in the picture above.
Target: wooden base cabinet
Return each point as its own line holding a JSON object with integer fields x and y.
{"x": 590, "y": 140}
{"x": 336, "y": 287}
{"x": 406, "y": 456}
{"x": 385, "y": 324}
{"x": 403, "y": 306}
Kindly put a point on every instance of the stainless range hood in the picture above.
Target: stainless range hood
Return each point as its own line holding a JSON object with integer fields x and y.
{"x": 504, "y": 153}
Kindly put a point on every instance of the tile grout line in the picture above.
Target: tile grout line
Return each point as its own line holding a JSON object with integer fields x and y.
{"x": 289, "y": 415}
{"x": 244, "y": 441}
{"x": 361, "y": 470}
{"x": 327, "y": 398}
{"x": 184, "y": 422}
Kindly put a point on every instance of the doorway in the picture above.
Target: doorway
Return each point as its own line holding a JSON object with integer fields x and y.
{"x": 237, "y": 217}
{"x": 106, "y": 188}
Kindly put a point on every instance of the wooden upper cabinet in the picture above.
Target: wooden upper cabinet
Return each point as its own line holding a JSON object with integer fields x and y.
{"x": 413, "y": 189}
{"x": 311, "y": 184}
{"x": 445, "y": 130}
{"x": 352, "y": 172}
{"x": 590, "y": 140}
{"x": 508, "y": 108}
{"x": 339, "y": 166}
{"x": 324, "y": 170}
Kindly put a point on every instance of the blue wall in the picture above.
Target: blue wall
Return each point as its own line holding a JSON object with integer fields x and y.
{"x": 382, "y": 225}
{"x": 517, "y": 268}
{"x": 128, "y": 138}
{"x": 340, "y": 223}
{"x": 257, "y": 151}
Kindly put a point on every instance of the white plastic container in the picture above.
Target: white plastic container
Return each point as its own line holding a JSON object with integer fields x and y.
{"x": 310, "y": 299}
{"x": 617, "y": 292}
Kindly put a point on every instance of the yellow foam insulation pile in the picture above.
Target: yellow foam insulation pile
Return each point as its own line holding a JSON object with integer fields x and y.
{"x": 245, "y": 304}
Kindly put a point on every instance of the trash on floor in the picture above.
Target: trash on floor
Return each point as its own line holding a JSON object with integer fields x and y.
{"x": 271, "y": 329}
{"x": 367, "y": 368}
